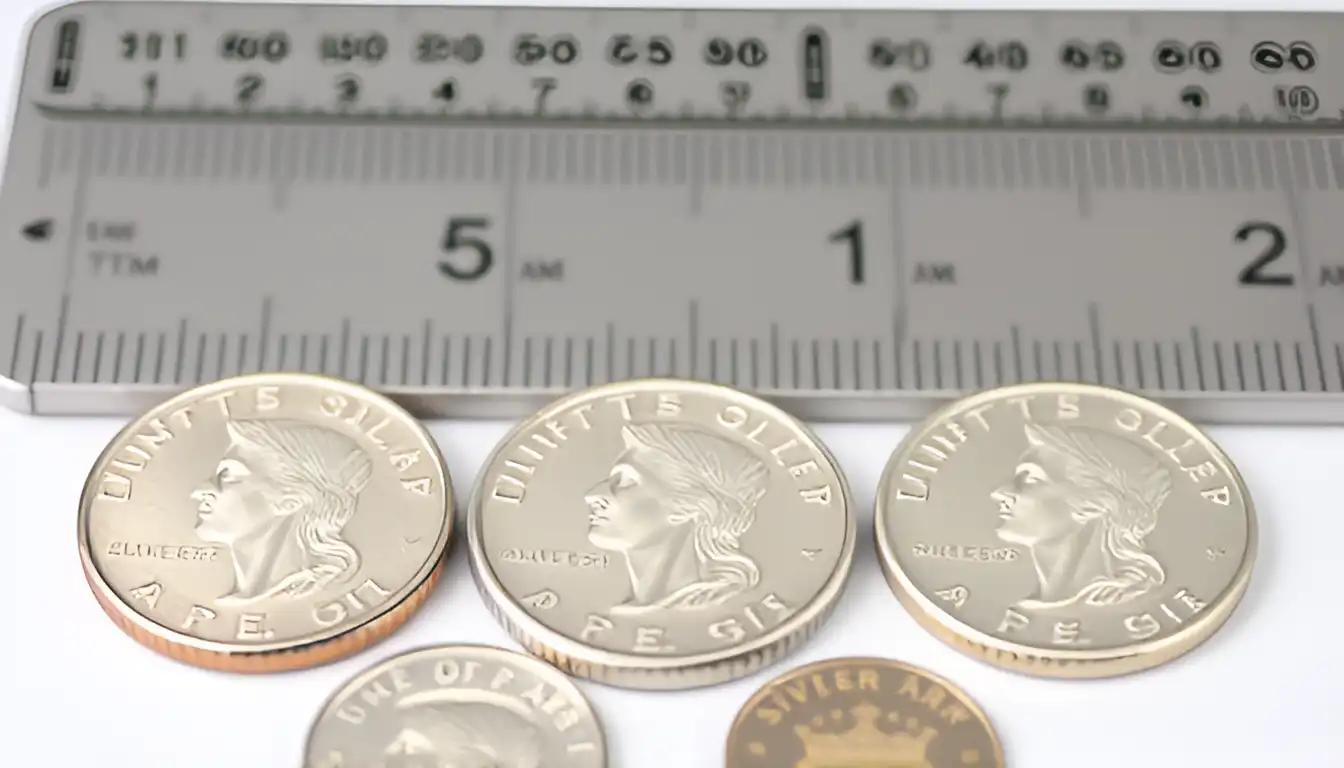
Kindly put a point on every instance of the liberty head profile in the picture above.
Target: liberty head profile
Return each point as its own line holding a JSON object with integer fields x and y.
{"x": 675, "y": 504}
{"x": 1082, "y": 502}
{"x": 449, "y": 729}
{"x": 279, "y": 500}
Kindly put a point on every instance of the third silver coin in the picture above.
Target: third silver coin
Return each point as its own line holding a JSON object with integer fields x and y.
{"x": 661, "y": 534}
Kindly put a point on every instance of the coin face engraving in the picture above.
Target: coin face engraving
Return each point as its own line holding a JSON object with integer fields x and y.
{"x": 861, "y": 712}
{"x": 458, "y": 706}
{"x": 721, "y": 521}
{"x": 675, "y": 504}
{"x": 279, "y": 498}
{"x": 1109, "y": 504}
{"x": 1082, "y": 502}
{"x": 299, "y": 508}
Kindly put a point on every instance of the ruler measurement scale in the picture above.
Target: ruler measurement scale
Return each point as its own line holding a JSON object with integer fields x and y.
{"x": 854, "y": 272}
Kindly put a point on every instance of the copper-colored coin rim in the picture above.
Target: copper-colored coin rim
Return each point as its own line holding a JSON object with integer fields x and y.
{"x": 762, "y": 693}
{"x": 279, "y": 656}
{"x": 671, "y": 672}
{"x": 521, "y": 659}
{"x": 1063, "y": 663}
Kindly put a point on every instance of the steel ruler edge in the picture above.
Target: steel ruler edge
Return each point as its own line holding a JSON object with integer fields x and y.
{"x": 946, "y": 247}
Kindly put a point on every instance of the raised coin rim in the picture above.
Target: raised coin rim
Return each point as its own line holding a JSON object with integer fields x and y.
{"x": 630, "y": 670}
{"x": 536, "y": 666}
{"x": 1048, "y": 662}
{"x": 266, "y": 657}
{"x": 762, "y": 692}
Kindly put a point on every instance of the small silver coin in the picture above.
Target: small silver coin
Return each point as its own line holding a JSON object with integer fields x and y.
{"x": 457, "y": 705}
{"x": 661, "y": 534}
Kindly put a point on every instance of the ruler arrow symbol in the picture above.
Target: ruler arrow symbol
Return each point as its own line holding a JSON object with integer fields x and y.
{"x": 39, "y": 230}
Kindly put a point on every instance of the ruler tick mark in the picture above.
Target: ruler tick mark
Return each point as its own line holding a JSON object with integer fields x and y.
{"x": 569, "y": 362}
{"x": 466, "y": 359}
{"x": 588, "y": 362}
{"x": 117, "y": 357}
{"x": 445, "y": 358}
{"x": 1278, "y": 364}
{"x": 1120, "y": 365}
{"x": 816, "y": 364}
{"x": 1017, "y": 352}
{"x": 282, "y": 352}
{"x": 405, "y": 359}
{"x": 139, "y": 357}
{"x": 242, "y": 354}
{"x": 158, "y": 357}
{"x": 958, "y": 379}
{"x": 18, "y": 344}
{"x": 1157, "y": 358}
{"x": 1094, "y": 324}
{"x": 426, "y": 333}
{"x": 977, "y": 357}
{"x": 1259, "y": 365}
{"x": 755, "y": 363}
{"x": 345, "y": 347}
{"x": 611, "y": 352}
{"x": 1240, "y": 364}
{"x": 547, "y": 353}
{"x": 79, "y": 352}
{"x": 1218, "y": 366}
{"x": 796, "y": 362}
{"x": 62, "y": 319}
{"x": 877, "y": 365}
{"x": 918, "y": 363}
{"x": 855, "y": 355}
{"x": 37, "y": 356}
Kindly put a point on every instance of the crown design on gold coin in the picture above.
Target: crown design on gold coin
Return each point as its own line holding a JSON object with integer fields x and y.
{"x": 865, "y": 745}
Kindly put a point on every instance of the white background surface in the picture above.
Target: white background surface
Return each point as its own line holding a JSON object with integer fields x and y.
{"x": 1263, "y": 692}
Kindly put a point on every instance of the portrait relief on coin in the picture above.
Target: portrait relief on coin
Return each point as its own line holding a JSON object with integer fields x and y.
{"x": 457, "y": 706}
{"x": 664, "y": 520}
{"x": 861, "y": 712}
{"x": 1066, "y": 519}
{"x": 264, "y": 511}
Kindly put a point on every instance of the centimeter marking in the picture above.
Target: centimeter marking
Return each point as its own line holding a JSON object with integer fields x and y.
{"x": 842, "y": 270}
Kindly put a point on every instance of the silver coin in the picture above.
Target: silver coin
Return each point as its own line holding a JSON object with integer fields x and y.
{"x": 1065, "y": 530}
{"x": 457, "y": 705}
{"x": 266, "y": 522}
{"x": 661, "y": 533}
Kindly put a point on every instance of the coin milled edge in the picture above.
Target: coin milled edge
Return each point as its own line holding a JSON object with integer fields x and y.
{"x": 275, "y": 656}
{"x": 1066, "y": 663}
{"x": 633, "y": 671}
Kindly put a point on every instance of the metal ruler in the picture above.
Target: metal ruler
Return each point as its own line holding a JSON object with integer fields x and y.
{"x": 858, "y": 214}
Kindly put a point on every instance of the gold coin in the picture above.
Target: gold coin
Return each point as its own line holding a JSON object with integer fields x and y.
{"x": 266, "y": 522}
{"x": 861, "y": 712}
{"x": 1065, "y": 530}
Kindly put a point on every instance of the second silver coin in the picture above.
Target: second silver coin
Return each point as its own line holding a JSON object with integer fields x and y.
{"x": 661, "y": 534}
